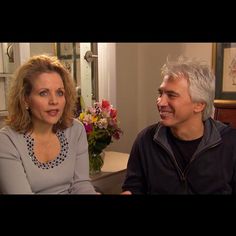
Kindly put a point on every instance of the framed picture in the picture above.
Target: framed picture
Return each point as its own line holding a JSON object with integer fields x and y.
{"x": 69, "y": 65}
{"x": 69, "y": 55}
{"x": 2, "y": 94}
{"x": 225, "y": 70}
{"x": 4, "y": 88}
{"x": 65, "y": 50}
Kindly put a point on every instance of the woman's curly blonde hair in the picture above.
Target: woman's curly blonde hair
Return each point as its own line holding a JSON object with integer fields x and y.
{"x": 19, "y": 118}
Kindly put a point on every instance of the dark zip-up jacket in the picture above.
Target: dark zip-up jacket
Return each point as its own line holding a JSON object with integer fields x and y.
{"x": 153, "y": 169}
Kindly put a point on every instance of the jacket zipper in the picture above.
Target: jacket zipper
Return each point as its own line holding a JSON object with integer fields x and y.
{"x": 181, "y": 173}
{"x": 195, "y": 156}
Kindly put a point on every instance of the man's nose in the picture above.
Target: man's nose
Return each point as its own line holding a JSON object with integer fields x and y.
{"x": 162, "y": 100}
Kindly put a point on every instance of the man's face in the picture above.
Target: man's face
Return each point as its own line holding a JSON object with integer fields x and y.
{"x": 174, "y": 102}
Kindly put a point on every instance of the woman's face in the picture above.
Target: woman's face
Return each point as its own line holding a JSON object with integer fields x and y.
{"x": 47, "y": 99}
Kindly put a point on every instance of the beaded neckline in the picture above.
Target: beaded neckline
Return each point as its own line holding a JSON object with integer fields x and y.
{"x": 53, "y": 163}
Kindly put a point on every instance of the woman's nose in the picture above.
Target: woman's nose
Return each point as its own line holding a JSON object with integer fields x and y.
{"x": 53, "y": 99}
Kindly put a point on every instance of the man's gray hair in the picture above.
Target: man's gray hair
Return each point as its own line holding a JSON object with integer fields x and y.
{"x": 200, "y": 77}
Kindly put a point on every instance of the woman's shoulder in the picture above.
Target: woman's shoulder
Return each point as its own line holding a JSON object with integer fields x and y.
{"x": 77, "y": 124}
{"x": 7, "y": 131}
{"x": 75, "y": 130}
{"x": 8, "y": 137}
{"x": 76, "y": 127}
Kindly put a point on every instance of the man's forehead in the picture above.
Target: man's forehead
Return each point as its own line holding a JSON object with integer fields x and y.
{"x": 174, "y": 77}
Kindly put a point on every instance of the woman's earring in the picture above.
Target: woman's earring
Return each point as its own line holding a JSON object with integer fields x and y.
{"x": 27, "y": 108}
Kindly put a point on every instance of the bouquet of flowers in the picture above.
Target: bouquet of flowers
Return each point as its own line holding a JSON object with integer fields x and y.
{"x": 101, "y": 125}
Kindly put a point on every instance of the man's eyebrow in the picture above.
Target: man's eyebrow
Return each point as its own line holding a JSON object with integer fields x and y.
{"x": 160, "y": 90}
{"x": 171, "y": 92}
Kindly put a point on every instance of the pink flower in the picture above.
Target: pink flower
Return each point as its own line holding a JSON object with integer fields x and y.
{"x": 88, "y": 127}
{"x": 105, "y": 104}
{"x": 101, "y": 125}
{"x": 113, "y": 113}
{"x": 116, "y": 135}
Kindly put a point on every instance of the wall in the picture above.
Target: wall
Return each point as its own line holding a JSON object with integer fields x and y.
{"x": 42, "y": 48}
{"x": 126, "y": 94}
{"x": 137, "y": 80}
{"x": 107, "y": 81}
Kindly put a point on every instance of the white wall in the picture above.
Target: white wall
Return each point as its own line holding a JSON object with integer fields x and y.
{"x": 137, "y": 80}
{"x": 107, "y": 77}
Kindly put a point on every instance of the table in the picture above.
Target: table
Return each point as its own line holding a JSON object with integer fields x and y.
{"x": 111, "y": 178}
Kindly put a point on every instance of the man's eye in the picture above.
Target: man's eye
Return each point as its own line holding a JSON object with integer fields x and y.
{"x": 171, "y": 95}
{"x": 43, "y": 93}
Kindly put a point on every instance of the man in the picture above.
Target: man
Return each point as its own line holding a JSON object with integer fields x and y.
{"x": 186, "y": 152}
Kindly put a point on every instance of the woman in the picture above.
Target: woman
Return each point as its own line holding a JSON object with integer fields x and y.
{"x": 43, "y": 149}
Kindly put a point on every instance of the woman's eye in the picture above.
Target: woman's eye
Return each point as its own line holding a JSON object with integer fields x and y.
{"x": 43, "y": 93}
{"x": 60, "y": 93}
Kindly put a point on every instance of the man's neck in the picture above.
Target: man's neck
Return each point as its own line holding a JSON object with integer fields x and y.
{"x": 189, "y": 132}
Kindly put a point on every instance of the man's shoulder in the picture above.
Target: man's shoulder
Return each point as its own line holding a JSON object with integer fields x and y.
{"x": 149, "y": 130}
{"x": 223, "y": 129}
{"x": 228, "y": 132}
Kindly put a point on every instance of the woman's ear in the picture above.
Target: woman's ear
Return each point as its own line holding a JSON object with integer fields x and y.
{"x": 26, "y": 102}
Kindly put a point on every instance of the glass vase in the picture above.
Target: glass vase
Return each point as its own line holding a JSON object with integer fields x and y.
{"x": 96, "y": 162}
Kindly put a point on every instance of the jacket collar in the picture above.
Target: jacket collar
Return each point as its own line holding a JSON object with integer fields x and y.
{"x": 211, "y": 136}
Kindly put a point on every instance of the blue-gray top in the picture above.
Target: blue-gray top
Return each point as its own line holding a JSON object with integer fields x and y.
{"x": 22, "y": 173}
